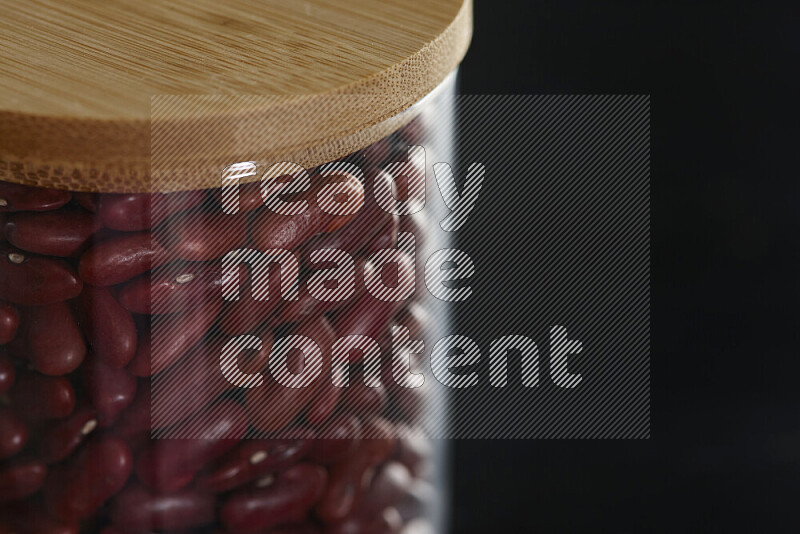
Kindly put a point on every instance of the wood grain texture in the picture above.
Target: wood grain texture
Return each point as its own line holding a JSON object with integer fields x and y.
{"x": 77, "y": 77}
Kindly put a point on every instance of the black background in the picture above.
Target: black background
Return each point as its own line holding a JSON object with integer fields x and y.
{"x": 725, "y": 448}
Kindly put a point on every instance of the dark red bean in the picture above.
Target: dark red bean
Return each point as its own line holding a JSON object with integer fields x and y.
{"x": 58, "y": 233}
{"x": 367, "y": 316}
{"x": 338, "y": 439}
{"x": 288, "y": 498}
{"x": 307, "y": 306}
{"x": 204, "y": 236}
{"x": 249, "y": 196}
{"x": 26, "y": 517}
{"x": 355, "y": 235}
{"x": 177, "y": 334}
{"x": 21, "y": 478}
{"x": 170, "y": 464}
{"x": 77, "y": 488}
{"x": 347, "y": 478}
{"x": 16, "y": 197}
{"x": 194, "y": 383}
{"x": 362, "y": 400}
{"x": 177, "y": 287}
{"x": 270, "y": 230}
{"x": 62, "y": 438}
{"x": 120, "y": 258}
{"x": 13, "y": 433}
{"x": 138, "y": 509}
{"x": 344, "y": 194}
{"x": 135, "y": 420}
{"x": 244, "y": 315}
{"x": 54, "y": 341}
{"x": 35, "y": 280}
{"x": 108, "y": 326}
{"x": 296, "y": 528}
{"x": 88, "y": 201}
{"x": 7, "y": 373}
{"x": 272, "y": 406}
{"x": 37, "y": 396}
{"x": 386, "y": 236}
{"x": 9, "y": 322}
{"x": 133, "y": 212}
{"x": 250, "y": 460}
{"x": 324, "y": 403}
{"x": 111, "y": 389}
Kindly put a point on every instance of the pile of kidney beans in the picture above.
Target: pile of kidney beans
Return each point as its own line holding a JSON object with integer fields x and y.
{"x": 78, "y": 272}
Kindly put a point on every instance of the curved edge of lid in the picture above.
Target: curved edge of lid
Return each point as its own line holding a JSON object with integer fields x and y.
{"x": 115, "y": 155}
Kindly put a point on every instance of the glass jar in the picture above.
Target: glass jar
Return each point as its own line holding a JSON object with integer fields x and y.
{"x": 139, "y": 394}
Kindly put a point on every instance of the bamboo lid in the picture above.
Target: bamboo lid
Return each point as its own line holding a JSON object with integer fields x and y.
{"x": 313, "y": 80}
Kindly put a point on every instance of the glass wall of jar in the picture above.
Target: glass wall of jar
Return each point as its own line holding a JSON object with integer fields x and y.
{"x": 105, "y": 296}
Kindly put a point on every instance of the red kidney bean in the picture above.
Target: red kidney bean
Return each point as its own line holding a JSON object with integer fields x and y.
{"x": 386, "y": 236}
{"x": 367, "y": 316}
{"x": 135, "y": 420}
{"x": 76, "y": 489}
{"x": 270, "y": 230}
{"x": 54, "y": 341}
{"x": 13, "y": 433}
{"x": 58, "y": 233}
{"x": 195, "y": 381}
{"x": 338, "y": 439}
{"x": 177, "y": 287}
{"x": 362, "y": 400}
{"x": 288, "y": 498}
{"x": 138, "y": 509}
{"x": 108, "y": 326}
{"x": 88, "y": 201}
{"x": 343, "y": 184}
{"x": 9, "y": 322}
{"x": 37, "y": 396}
{"x": 307, "y": 307}
{"x": 249, "y": 196}
{"x": 355, "y": 235}
{"x": 21, "y": 478}
{"x": 140, "y": 211}
{"x": 7, "y": 373}
{"x": 204, "y": 236}
{"x": 25, "y": 517}
{"x": 120, "y": 258}
{"x": 170, "y": 464}
{"x": 347, "y": 478}
{"x": 417, "y": 224}
{"x": 244, "y": 315}
{"x": 111, "y": 389}
{"x": 35, "y": 280}
{"x": 16, "y": 197}
{"x": 250, "y": 460}
{"x": 61, "y": 439}
{"x": 272, "y": 406}
{"x": 324, "y": 403}
{"x": 177, "y": 334}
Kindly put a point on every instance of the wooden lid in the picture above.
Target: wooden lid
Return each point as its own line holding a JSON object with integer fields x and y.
{"x": 78, "y": 79}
